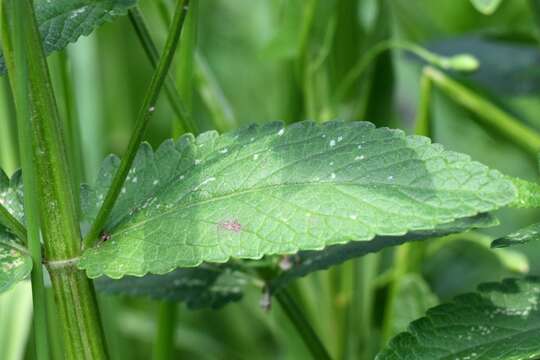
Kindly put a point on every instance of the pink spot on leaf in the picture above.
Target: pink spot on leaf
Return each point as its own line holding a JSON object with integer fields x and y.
{"x": 230, "y": 225}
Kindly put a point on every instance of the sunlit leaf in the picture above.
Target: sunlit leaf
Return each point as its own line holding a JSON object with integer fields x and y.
{"x": 266, "y": 190}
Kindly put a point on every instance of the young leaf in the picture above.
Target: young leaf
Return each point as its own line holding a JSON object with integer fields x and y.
{"x": 62, "y": 22}
{"x": 15, "y": 263}
{"x": 205, "y": 286}
{"x": 500, "y": 321}
{"x": 522, "y": 236}
{"x": 266, "y": 190}
{"x": 311, "y": 261}
{"x": 486, "y": 7}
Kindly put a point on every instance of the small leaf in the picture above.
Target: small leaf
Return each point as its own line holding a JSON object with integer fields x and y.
{"x": 522, "y": 236}
{"x": 205, "y": 286}
{"x": 311, "y": 261}
{"x": 486, "y": 7}
{"x": 15, "y": 263}
{"x": 62, "y": 22}
{"x": 266, "y": 190}
{"x": 500, "y": 321}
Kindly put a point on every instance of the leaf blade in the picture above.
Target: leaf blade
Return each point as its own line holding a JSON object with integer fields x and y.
{"x": 267, "y": 190}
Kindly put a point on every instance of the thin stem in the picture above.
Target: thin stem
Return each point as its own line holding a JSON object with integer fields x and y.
{"x": 297, "y": 317}
{"x": 150, "y": 49}
{"x": 145, "y": 114}
{"x": 422, "y": 123}
{"x": 458, "y": 62}
{"x": 490, "y": 115}
{"x": 185, "y": 61}
{"x": 12, "y": 224}
{"x": 13, "y": 42}
{"x": 164, "y": 346}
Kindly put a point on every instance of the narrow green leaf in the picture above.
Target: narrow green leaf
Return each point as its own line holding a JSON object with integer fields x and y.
{"x": 486, "y": 7}
{"x": 266, "y": 190}
{"x": 202, "y": 287}
{"x": 62, "y": 22}
{"x": 307, "y": 262}
{"x": 500, "y": 321}
{"x": 522, "y": 236}
{"x": 15, "y": 263}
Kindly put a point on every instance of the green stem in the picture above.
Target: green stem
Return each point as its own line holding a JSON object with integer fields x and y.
{"x": 400, "y": 269}
{"x": 456, "y": 62}
{"x": 164, "y": 346}
{"x": 184, "y": 63}
{"x": 74, "y": 293}
{"x": 13, "y": 39}
{"x": 422, "y": 123}
{"x": 175, "y": 100}
{"x": 145, "y": 114}
{"x": 490, "y": 115}
{"x": 8, "y": 146}
{"x": 297, "y": 317}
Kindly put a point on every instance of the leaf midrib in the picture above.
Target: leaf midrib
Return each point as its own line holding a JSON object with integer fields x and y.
{"x": 266, "y": 187}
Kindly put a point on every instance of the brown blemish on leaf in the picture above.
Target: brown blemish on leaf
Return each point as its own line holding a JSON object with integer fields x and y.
{"x": 230, "y": 225}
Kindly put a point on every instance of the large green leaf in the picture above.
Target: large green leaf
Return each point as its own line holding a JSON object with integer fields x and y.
{"x": 500, "y": 321}
{"x": 205, "y": 286}
{"x": 15, "y": 263}
{"x": 62, "y": 22}
{"x": 266, "y": 190}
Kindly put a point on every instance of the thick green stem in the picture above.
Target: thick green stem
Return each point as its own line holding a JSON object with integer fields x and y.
{"x": 13, "y": 43}
{"x": 175, "y": 100}
{"x": 74, "y": 295}
{"x": 145, "y": 114}
{"x": 164, "y": 345}
{"x": 297, "y": 317}
{"x": 490, "y": 115}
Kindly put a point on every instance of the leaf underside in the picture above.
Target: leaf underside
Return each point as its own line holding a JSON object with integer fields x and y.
{"x": 61, "y": 22}
{"x": 311, "y": 261}
{"x": 500, "y": 321}
{"x": 522, "y": 236}
{"x": 14, "y": 264}
{"x": 265, "y": 190}
{"x": 203, "y": 287}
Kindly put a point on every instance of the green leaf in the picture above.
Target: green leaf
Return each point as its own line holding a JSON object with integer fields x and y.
{"x": 500, "y": 321}
{"x": 62, "y": 22}
{"x": 311, "y": 261}
{"x": 266, "y": 190}
{"x": 15, "y": 263}
{"x": 205, "y": 286}
{"x": 522, "y": 236}
{"x": 486, "y": 7}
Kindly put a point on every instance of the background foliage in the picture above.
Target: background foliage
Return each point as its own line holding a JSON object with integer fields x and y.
{"x": 267, "y": 60}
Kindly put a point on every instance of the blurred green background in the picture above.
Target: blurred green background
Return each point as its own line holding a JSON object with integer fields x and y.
{"x": 267, "y": 60}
